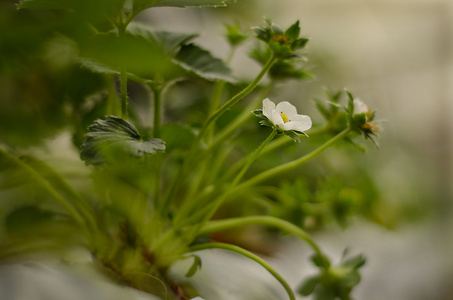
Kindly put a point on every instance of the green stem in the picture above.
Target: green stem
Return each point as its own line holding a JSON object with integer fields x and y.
{"x": 112, "y": 100}
{"x": 247, "y": 90}
{"x": 123, "y": 86}
{"x": 157, "y": 93}
{"x": 240, "y": 120}
{"x": 292, "y": 164}
{"x": 220, "y": 225}
{"x": 219, "y": 86}
{"x": 209, "y": 211}
{"x": 250, "y": 255}
{"x": 123, "y": 74}
{"x": 272, "y": 146}
{"x": 253, "y": 157}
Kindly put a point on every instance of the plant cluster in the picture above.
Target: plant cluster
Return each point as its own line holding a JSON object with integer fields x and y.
{"x": 159, "y": 193}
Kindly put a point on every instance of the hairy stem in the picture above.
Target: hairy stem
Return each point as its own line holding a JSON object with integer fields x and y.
{"x": 278, "y": 142}
{"x": 207, "y": 212}
{"x": 295, "y": 163}
{"x": 123, "y": 90}
{"x": 247, "y": 90}
{"x": 220, "y": 225}
{"x": 240, "y": 120}
{"x": 251, "y": 158}
{"x": 157, "y": 93}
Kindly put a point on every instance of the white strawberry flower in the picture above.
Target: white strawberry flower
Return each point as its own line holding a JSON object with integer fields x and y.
{"x": 284, "y": 116}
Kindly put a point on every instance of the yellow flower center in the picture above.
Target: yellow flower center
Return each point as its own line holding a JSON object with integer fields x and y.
{"x": 284, "y": 117}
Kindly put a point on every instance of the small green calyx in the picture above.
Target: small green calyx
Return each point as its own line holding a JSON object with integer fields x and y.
{"x": 282, "y": 43}
{"x": 360, "y": 119}
{"x": 234, "y": 34}
{"x": 337, "y": 281}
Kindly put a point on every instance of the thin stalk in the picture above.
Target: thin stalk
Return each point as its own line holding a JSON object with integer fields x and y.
{"x": 253, "y": 157}
{"x": 112, "y": 99}
{"x": 247, "y": 90}
{"x": 123, "y": 75}
{"x": 250, "y": 255}
{"x": 209, "y": 211}
{"x": 226, "y": 224}
{"x": 219, "y": 86}
{"x": 157, "y": 183}
{"x": 157, "y": 93}
{"x": 123, "y": 90}
{"x": 295, "y": 163}
{"x": 239, "y": 121}
{"x": 283, "y": 140}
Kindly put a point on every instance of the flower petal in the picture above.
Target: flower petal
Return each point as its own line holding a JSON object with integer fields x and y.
{"x": 277, "y": 118}
{"x": 359, "y": 107}
{"x": 299, "y": 123}
{"x": 286, "y": 108}
{"x": 268, "y": 108}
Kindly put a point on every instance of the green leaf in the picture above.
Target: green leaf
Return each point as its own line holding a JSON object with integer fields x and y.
{"x": 115, "y": 138}
{"x": 354, "y": 262}
{"x": 196, "y": 265}
{"x": 299, "y": 43}
{"x": 292, "y": 134}
{"x": 266, "y": 122}
{"x": 350, "y": 109}
{"x": 322, "y": 109}
{"x": 167, "y": 41}
{"x": 276, "y": 29}
{"x": 300, "y": 132}
{"x": 264, "y": 34}
{"x": 320, "y": 261}
{"x": 85, "y": 10}
{"x": 108, "y": 52}
{"x": 293, "y": 31}
{"x": 96, "y": 67}
{"x": 45, "y": 4}
{"x": 308, "y": 286}
{"x": 202, "y": 63}
{"x": 144, "y": 4}
{"x": 259, "y": 113}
